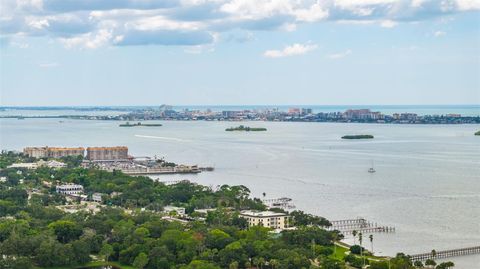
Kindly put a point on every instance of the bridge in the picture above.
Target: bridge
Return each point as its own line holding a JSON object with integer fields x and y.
{"x": 446, "y": 254}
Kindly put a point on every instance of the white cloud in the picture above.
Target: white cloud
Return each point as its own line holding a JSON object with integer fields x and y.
{"x": 339, "y": 55}
{"x": 48, "y": 65}
{"x": 162, "y": 23}
{"x": 314, "y": 13}
{"x": 382, "y": 23}
{"x": 388, "y": 24}
{"x": 439, "y": 33}
{"x": 96, "y": 23}
{"x": 295, "y": 49}
{"x": 466, "y": 5}
{"x": 89, "y": 40}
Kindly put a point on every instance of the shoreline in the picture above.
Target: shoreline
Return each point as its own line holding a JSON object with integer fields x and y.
{"x": 94, "y": 118}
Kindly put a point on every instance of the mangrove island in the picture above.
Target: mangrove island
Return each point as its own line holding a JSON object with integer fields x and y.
{"x": 128, "y": 124}
{"x": 245, "y": 128}
{"x": 357, "y": 137}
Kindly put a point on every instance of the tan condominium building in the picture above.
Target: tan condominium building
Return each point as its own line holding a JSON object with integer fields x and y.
{"x": 43, "y": 152}
{"x": 268, "y": 219}
{"x": 63, "y": 152}
{"x": 107, "y": 153}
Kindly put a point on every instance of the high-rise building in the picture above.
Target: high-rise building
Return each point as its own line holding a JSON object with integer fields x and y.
{"x": 63, "y": 152}
{"x": 107, "y": 153}
{"x": 36, "y": 152}
{"x": 43, "y": 152}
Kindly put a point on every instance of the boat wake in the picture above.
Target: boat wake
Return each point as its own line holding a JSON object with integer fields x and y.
{"x": 163, "y": 138}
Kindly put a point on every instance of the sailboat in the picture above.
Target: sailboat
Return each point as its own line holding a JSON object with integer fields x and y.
{"x": 371, "y": 169}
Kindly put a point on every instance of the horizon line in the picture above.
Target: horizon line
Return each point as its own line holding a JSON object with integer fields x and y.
{"x": 225, "y": 105}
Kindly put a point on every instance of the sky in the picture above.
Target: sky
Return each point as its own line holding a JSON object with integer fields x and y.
{"x": 234, "y": 52}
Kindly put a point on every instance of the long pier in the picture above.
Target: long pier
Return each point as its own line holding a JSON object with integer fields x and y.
{"x": 446, "y": 254}
{"x": 347, "y": 226}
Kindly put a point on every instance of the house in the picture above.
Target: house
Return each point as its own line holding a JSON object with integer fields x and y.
{"x": 268, "y": 219}
{"x": 69, "y": 189}
{"x": 24, "y": 165}
{"x": 97, "y": 197}
{"x": 180, "y": 211}
{"x": 51, "y": 164}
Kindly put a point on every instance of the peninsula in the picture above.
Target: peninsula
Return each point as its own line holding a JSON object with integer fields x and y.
{"x": 357, "y": 137}
{"x": 128, "y": 124}
{"x": 477, "y": 133}
{"x": 245, "y": 128}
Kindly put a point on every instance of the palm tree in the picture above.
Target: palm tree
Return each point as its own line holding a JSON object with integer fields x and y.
{"x": 354, "y": 233}
{"x": 449, "y": 264}
{"x": 434, "y": 254}
{"x": 371, "y": 241}
{"x": 360, "y": 238}
{"x": 261, "y": 262}
{"x": 274, "y": 263}
{"x": 255, "y": 261}
{"x": 334, "y": 239}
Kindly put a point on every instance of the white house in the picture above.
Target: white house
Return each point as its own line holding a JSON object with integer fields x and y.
{"x": 97, "y": 197}
{"x": 69, "y": 189}
{"x": 180, "y": 211}
{"x": 268, "y": 219}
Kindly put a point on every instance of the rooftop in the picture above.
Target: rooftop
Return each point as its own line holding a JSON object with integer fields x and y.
{"x": 253, "y": 213}
{"x": 108, "y": 148}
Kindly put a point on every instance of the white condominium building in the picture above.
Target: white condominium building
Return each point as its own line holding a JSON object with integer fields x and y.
{"x": 69, "y": 189}
{"x": 268, "y": 219}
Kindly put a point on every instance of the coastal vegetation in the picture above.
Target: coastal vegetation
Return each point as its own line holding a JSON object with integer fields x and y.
{"x": 246, "y": 129}
{"x": 358, "y": 136}
{"x": 477, "y": 133}
{"x": 128, "y": 124}
{"x": 129, "y": 228}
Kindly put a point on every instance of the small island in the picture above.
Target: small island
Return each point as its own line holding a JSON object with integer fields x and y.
{"x": 477, "y": 133}
{"x": 357, "y": 137}
{"x": 128, "y": 124}
{"x": 245, "y": 128}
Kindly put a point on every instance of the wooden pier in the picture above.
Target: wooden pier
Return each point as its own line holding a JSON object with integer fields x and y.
{"x": 347, "y": 226}
{"x": 444, "y": 254}
{"x": 283, "y": 202}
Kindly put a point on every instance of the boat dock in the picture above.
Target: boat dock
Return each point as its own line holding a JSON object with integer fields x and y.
{"x": 347, "y": 226}
{"x": 446, "y": 254}
{"x": 283, "y": 203}
{"x": 161, "y": 171}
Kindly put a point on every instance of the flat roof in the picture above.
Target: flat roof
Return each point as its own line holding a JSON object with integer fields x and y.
{"x": 108, "y": 148}
{"x": 260, "y": 214}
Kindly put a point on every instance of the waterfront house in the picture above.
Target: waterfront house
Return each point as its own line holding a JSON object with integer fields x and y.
{"x": 268, "y": 219}
{"x": 179, "y": 211}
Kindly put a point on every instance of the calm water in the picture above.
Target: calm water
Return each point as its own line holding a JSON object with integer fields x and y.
{"x": 427, "y": 182}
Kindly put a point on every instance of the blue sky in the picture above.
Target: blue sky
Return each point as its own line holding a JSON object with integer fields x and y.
{"x": 205, "y": 52}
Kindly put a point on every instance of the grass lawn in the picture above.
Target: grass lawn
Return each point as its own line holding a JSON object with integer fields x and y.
{"x": 339, "y": 253}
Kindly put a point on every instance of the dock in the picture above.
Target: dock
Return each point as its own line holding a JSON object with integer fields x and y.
{"x": 444, "y": 254}
{"x": 347, "y": 226}
{"x": 283, "y": 203}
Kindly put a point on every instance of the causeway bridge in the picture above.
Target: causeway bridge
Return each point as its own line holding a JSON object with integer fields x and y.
{"x": 444, "y": 254}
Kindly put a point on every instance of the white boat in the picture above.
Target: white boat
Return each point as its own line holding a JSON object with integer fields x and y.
{"x": 371, "y": 169}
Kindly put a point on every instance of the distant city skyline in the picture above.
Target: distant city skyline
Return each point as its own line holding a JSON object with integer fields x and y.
{"x": 239, "y": 52}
